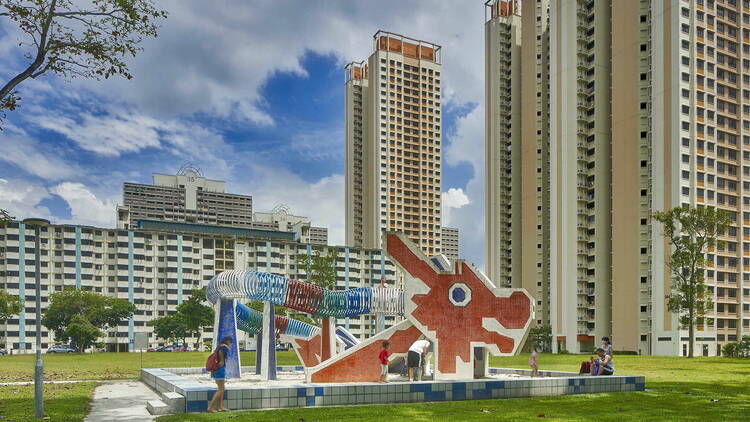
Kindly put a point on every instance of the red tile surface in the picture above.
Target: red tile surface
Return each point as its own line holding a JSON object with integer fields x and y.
{"x": 363, "y": 364}
{"x": 455, "y": 326}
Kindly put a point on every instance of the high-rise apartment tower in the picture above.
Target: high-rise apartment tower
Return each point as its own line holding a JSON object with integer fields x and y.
{"x": 640, "y": 107}
{"x": 517, "y": 147}
{"x": 186, "y": 197}
{"x": 393, "y": 143}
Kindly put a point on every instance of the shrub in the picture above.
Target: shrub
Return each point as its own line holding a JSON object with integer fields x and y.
{"x": 739, "y": 349}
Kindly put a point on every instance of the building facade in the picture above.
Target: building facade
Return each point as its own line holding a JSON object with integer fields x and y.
{"x": 626, "y": 108}
{"x": 185, "y": 197}
{"x": 156, "y": 266}
{"x": 517, "y": 164}
{"x": 393, "y": 143}
{"x": 280, "y": 219}
{"x": 450, "y": 242}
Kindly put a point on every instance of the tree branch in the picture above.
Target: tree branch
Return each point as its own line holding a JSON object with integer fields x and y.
{"x": 40, "y": 56}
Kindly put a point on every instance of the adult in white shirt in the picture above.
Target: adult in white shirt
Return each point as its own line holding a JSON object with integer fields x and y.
{"x": 417, "y": 351}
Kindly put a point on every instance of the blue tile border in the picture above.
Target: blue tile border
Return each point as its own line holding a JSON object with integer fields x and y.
{"x": 551, "y": 383}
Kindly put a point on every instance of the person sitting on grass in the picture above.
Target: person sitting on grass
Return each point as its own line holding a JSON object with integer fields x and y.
{"x": 219, "y": 375}
{"x": 383, "y": 356}
{"x": 603, "y": 364}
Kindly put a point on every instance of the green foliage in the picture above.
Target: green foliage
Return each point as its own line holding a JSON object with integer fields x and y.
{"x": 739, "y": 349}
{"x": 82, "y": 332}
{"x": 5, "y": 218}
{"x": 69, "y": 306}
{"x": 10, "y": 305}
{"x": 195, "y": 315}
{"x": 319, "y": 266}
{"x": 172, "y": 328}
{"x": 70, "y": 40}
{"x": 191, "y": 317}
{"x": 691, "y": 231}
{"x": 282, "y": 311}
{"x": 541, "y": 338}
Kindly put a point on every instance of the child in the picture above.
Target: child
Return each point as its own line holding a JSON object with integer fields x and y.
{"x": 383, "y": 356}
{"x": 532, "y": 362}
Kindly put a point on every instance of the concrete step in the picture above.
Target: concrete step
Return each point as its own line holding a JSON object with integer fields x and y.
{"x": 157, "y": 407}
{"x": 175, "y": 401}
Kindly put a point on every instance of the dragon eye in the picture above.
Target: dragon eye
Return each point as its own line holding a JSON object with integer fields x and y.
{"x": 459, "y": 294}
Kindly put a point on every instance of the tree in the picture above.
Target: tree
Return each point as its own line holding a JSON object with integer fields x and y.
{"x": 73, "y": 41}
{"x": 189, "y": 320}
{"x": 171, "y": 328}
{"x": 82, "y": 332}
{"x": 691, "y": 231}
{"x": 541, "y": 338}
{"x": 9, "y": 305}
{"x": 72, "y": 313}
{"x": 195, "y": 315}
{"x": 5, "y": 218}
{"x": 319, "y": 266}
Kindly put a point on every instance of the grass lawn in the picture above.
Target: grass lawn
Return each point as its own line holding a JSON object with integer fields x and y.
{"x": 679, "y": 389}
{"x": 704, "y": 389}
{"x": 62, "y": 402}
{"x": 110, "y": 365}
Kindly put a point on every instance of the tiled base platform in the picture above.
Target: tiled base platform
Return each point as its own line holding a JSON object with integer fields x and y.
{"x": 268, "y": 397}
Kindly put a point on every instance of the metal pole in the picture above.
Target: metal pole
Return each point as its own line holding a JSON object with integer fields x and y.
{"x": 39, "y": 367}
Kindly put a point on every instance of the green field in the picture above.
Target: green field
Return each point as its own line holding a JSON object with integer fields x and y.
{"x": 704, "y": 389}
{"x": 62, "y": 402}
{"x": 677, "y": 389}
{"x": 102, "y": 366}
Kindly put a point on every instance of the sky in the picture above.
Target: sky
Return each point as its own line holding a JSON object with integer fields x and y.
{"x": 251, "y": 92}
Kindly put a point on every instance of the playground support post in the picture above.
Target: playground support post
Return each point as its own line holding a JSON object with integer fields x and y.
{"x": 268, "y": 332}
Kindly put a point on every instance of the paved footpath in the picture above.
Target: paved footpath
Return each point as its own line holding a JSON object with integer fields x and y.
{"x": 122, "y": 401}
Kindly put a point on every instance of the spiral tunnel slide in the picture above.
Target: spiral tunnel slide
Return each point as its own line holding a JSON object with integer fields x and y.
{"x": 303, "y": 297}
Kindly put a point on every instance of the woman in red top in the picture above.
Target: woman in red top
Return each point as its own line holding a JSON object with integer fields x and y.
{"x": 383, "y": 356}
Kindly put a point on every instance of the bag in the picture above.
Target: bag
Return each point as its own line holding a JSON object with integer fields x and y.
{"x": 585, "y": 368}
{"x": 212, "y": 363}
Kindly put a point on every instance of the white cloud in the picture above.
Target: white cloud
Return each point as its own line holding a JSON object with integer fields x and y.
{"x": 122, "y": 132}
{"x": 34, "y": 158}
{"x": 467, "y": 146}
{"x": 85, "y": 207}
{"x": 216, "y": 60}
{"x": 321, "y": 200}
{"x": 21, "y": 199}
{"x": 453, "y": 199}
{"x": 467, "y": 140}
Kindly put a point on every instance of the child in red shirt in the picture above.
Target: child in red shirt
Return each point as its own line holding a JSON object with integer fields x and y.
{"x": 383, "y": 357}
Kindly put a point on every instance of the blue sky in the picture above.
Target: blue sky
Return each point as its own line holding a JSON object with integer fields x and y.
{"x": 251, "y": 93}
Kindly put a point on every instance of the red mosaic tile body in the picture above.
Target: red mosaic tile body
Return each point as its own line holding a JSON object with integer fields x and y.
{"x": 456, "y": 327}
{"x": 363, "y": 365}
{"x": 309, "y": 350}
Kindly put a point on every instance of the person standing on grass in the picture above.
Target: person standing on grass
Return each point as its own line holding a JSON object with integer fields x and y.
{"x": 533, "y": 362}
{"x": 607, "y": 346}
{"x": 417, "y": 351}
{"x": 383, "y": 356}
{"x": 219, "y": 375}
